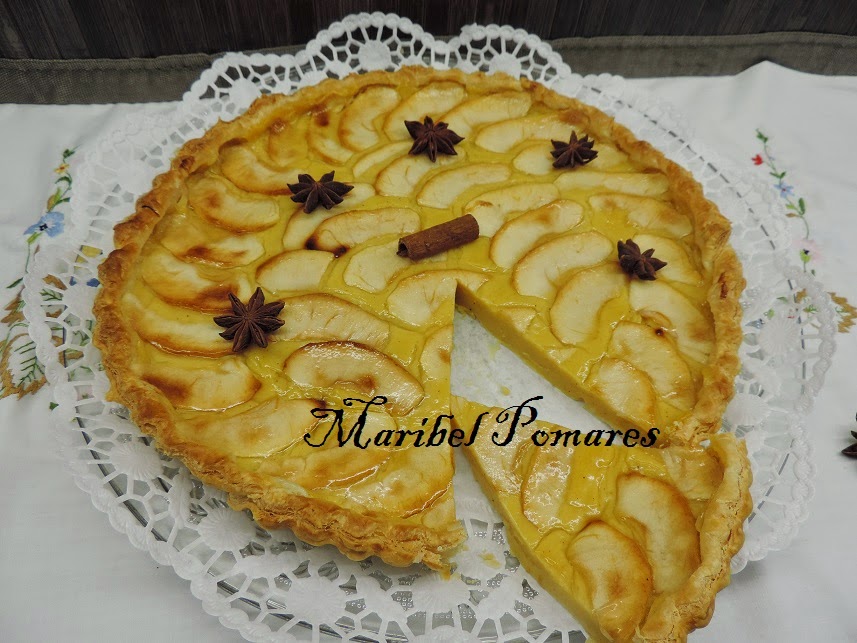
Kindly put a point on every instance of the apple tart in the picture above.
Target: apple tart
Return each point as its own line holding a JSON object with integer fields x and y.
{"x": 328, "y": 412}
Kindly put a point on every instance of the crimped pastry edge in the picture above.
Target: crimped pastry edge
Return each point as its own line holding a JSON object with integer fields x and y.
{"x": 721, "y": 537}
{"x": 403, "y": 543}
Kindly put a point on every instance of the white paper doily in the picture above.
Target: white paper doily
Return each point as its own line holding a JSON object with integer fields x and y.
{"x": 270, "y": 586}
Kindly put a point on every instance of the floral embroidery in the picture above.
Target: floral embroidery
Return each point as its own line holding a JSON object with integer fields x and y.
{"x": 847, "y": 313}
{"x": 785, "y": 190}
{"x": 92, "y": 283}
{"x": 21, "y": 372}
{"x": 807, "y": 250}
{"x": 51, "y": 224}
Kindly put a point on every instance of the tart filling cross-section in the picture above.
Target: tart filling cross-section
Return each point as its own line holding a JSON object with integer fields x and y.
{"x": 324, "y": 423}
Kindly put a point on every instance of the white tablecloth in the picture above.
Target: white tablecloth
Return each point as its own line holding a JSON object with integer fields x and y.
{"x": 66, "y": 575}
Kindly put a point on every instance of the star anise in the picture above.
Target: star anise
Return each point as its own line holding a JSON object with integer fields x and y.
{"x": 251, "y": 322}
{"x": 325, "y": 191}
{"x": 575, "y": 152}
{"x": 432, "y": 138}
{"x": 641, "y": 264}
{"x": 852, "y": 450}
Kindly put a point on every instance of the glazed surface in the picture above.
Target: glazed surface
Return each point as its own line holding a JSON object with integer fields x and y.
{"x": 361, "y": 321}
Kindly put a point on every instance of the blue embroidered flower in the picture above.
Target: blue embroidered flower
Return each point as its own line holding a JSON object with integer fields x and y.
{"x": 785, "y": 190}
{"x": 50, "y": 223}
{"x": 92, "y": 283}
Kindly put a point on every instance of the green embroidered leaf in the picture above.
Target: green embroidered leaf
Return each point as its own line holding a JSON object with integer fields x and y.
{"x": 801, "y": 205}
{"x": 50, "y": 295}
{"x": 54, "y": 199}
{"x": 81, "y": 338}
{"x": 15, "y": 283}
{"x": 761, "y": 136}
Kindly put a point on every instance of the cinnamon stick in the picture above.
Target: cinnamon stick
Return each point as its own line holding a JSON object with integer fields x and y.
{"x": 439, "y": 238}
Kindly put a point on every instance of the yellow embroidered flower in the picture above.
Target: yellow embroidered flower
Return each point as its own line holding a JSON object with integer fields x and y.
{"x": 62, "y": 168}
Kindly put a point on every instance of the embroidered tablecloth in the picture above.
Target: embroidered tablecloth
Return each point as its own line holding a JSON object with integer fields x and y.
{"x": 66, "y": 575}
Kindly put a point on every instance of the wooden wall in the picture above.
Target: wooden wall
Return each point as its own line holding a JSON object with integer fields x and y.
{"x": 132, "y": 28}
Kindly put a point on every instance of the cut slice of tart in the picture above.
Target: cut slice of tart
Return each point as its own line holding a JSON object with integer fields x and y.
{"x": 303, "y": 200}
{"x": 635, "y": 541}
